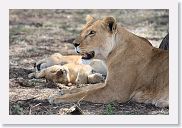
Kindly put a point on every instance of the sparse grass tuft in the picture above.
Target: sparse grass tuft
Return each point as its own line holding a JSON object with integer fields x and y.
{"x": 16, "y": 110}
{"x": 109, "y": 109}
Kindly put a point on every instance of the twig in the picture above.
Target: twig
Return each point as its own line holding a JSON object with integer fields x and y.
{"x": 26, "y": 99}
{"x": 81, "y": 100}
{"x": 30, "y": 111}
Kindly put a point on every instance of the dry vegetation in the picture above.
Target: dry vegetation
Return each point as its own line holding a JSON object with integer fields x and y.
{"x": 36, "y": 34}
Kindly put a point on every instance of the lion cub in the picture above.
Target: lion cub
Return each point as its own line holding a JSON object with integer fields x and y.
{"x": 57, "y": 59}
{"x": 69, "y": 73}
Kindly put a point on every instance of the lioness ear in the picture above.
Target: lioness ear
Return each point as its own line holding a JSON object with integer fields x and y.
{"x": 110, "y": 23}
{"x": 89, "y": 19}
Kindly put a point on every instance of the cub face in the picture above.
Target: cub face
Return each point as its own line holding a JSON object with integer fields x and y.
{"x": 61, "y": 76}
{"x": 96, "y": 38}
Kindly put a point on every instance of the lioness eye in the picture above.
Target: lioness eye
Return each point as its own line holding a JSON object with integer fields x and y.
{"x": 91, "y": 33}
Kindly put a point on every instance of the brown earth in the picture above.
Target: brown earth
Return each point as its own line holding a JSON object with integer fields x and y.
{"x": 36, "y": 34}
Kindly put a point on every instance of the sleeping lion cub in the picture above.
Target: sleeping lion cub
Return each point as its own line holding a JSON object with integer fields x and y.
{"x": 69, "y": 73}
{"x": 136, "y": 70}
{"x": 58, "y": 59}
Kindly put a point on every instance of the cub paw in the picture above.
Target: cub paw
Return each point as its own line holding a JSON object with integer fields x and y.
{"x": 31, "y": 75}
{"x": 39, "y": 66}
{"x": 95, "y": 78}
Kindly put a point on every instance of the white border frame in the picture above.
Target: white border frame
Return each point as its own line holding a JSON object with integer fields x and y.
{"x": 172, "y": 118}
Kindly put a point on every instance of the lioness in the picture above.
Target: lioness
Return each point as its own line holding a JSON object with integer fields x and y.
{"x": 165, "y": 43}
{"x": 69, "y": 74}
{"x": 136, "y": 70}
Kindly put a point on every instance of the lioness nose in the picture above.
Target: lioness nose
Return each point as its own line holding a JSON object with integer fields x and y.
{"x": 75, "y": 44}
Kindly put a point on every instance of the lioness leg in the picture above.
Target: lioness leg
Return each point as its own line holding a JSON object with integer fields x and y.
{"x": 96, "y": 93}
{"x": 77, "y": 93}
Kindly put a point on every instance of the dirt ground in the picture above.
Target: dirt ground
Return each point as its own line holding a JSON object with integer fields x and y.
{"x": 36, "y": 34}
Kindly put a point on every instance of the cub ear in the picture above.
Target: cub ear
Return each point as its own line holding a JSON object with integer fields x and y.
{"x": 89, "y": 19}
{"x": 59, "y": 73}
{"x": 110, "y": 23}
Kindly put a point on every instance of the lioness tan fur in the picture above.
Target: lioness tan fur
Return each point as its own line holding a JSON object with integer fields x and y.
{"x": 69, "y": 73}
{"x": 136, "y": 70}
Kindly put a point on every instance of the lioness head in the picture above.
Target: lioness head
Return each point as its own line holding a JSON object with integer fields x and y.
{"x": 96, "y": 38}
